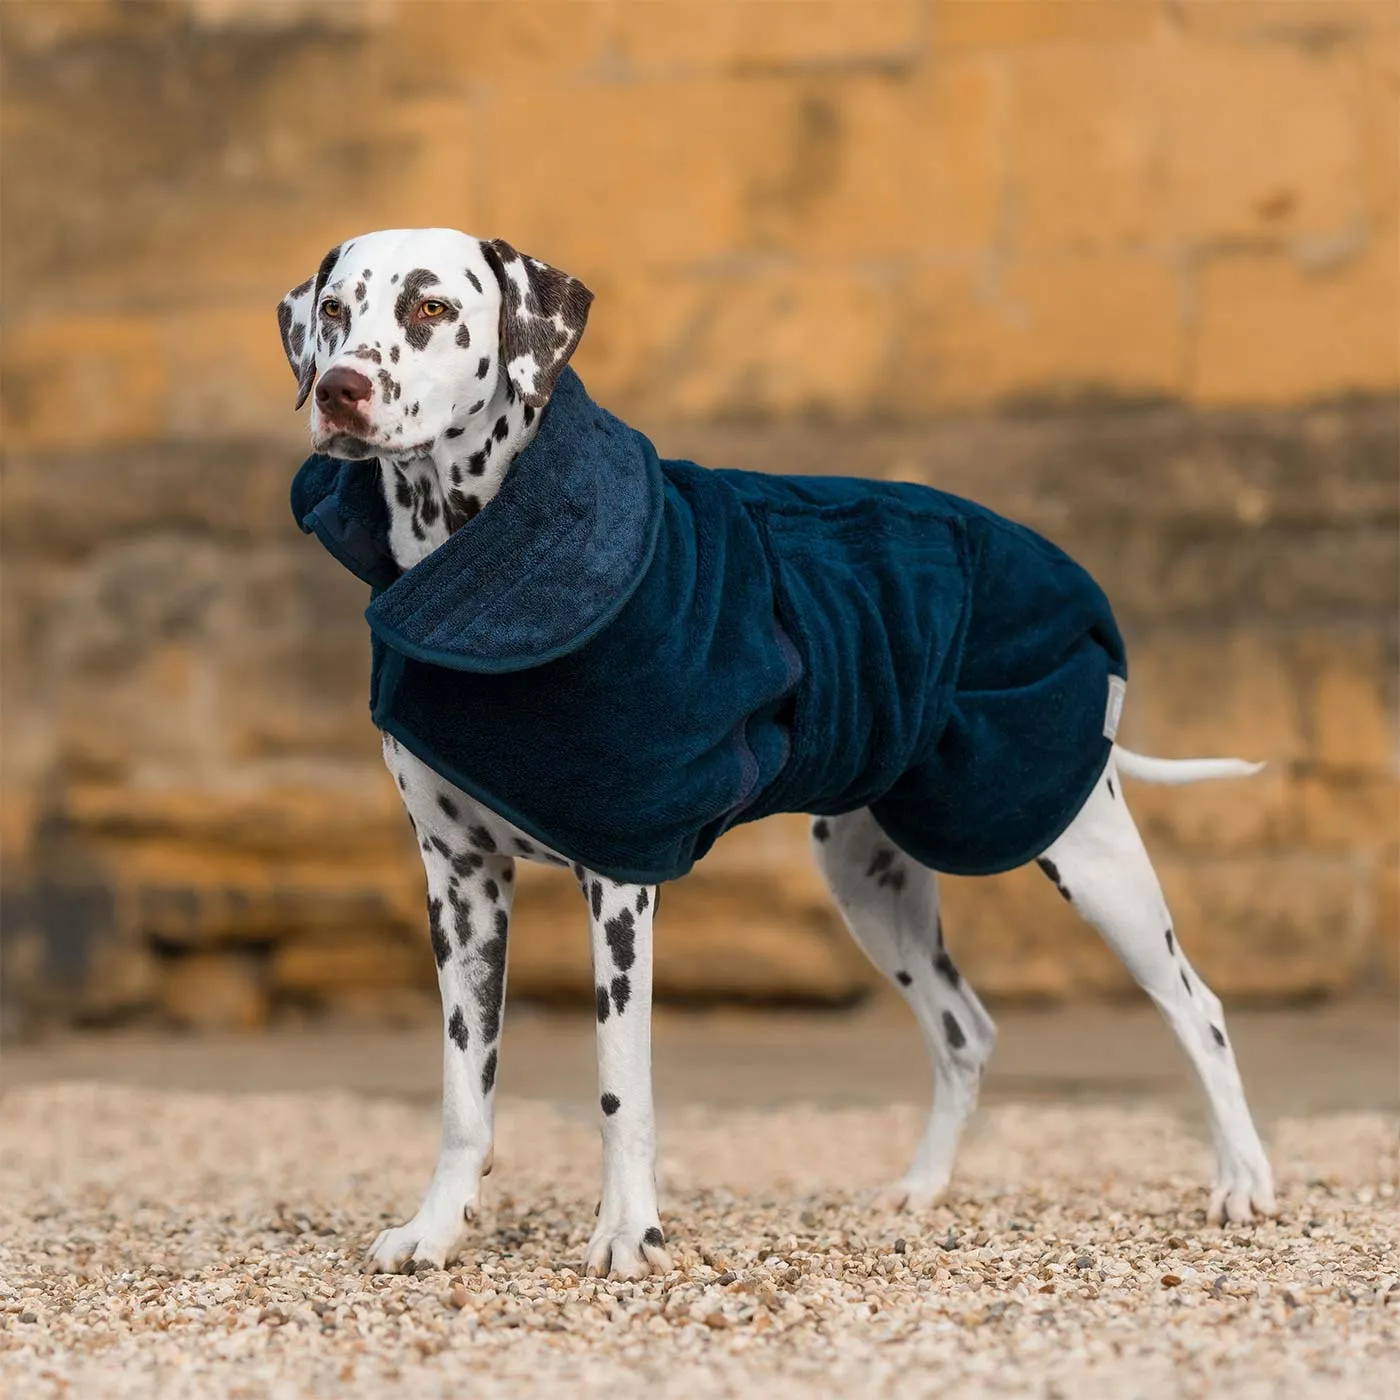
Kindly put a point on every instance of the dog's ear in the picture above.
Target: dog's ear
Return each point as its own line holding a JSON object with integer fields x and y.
{"x": 543, "y": 313}
{"x": 296, "y": 319}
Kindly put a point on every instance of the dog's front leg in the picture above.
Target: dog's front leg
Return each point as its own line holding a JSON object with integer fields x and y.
{"x": 469, "y": 899}
{"x": 627, "y": 1240}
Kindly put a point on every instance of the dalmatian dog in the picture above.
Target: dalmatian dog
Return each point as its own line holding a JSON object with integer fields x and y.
{"x": 435, "y": 352}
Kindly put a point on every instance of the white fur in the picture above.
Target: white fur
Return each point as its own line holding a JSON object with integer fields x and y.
{"x": 1174, "y": 771}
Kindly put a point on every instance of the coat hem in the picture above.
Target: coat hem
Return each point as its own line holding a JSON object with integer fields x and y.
{"x": 623, "y": 875}
{"x": 1038, "y": 848}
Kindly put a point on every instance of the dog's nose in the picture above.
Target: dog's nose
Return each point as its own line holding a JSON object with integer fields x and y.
{"x": 342, "y": 390}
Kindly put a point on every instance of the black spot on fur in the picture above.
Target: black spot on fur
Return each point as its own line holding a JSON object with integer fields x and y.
{"x": 1111, "y": 792}
{"x": 468, "y": 507}
{"x": 654, "y": 1237}
{"x": 493, "y": 890}
{"x": 1052, "y": 873}
{"x": 621, "y": 939}
{"x": 454, "y": 432}
{"x": 442, "y": 949}
{"x": 821, "y": 830}
{"x": 501, "y": 429}
{"x": 415, "y": 283}
{"x": 621, "y": 992}
{"x": 468, "y": 863}
{"x": 490, "y": 991}
{"x": 643, "y": 899}
{"x": 602, "y": 1004}
{"x": 610, "y": 1103}
{"x": 595, "y": 898}
{"x": 880, "y": 862}
{"x": 461, "y": 919}
{"x": 403, "y": 783}
{"x": 442, "y": 848}
{"x": 463, "y": 336}
{"x": 502, "y": 923}
{"x": 457, "y": 1028}
{"x": 953, "y": 1031}
{"x": 904, "y": 979}
{"x": 472, "y": 278}
{"x": 893, "y": 879}
{"x": 943, "y": 965}
{"x": 449, "y": 808}
{"x": 529, "y": 414}
{"x": 1219, "y": 1036}
{"x": 488, "y": 1073}
{"x": 1186, "y": 982}
{"x": 482, "y": 839}
{"x": 523, "y": 846}
{"x": 403, "y": 492}
{"x": 477, "y": 406}
{"x": 482, "y": 365}
{"x": 393, "y": 354}
{"x": 1171, "y": 944}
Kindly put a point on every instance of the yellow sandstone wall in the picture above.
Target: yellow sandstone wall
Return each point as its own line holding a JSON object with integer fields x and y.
{"x": 1126, "y": 269}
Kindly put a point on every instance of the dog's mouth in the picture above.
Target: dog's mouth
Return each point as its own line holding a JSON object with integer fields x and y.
{"x": 350, "y": 446}
{"x": 347, "y": 446}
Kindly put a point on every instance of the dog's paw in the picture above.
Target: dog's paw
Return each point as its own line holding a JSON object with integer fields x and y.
{"x": 627, "y": 1249}
{"x": 1240, "y": 1194}
{"x": 910, "y": 1194}
{"x": 428, "y": 1241}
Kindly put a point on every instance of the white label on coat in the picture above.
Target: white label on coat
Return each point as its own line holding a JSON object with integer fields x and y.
{"x": 1117, "y": 688}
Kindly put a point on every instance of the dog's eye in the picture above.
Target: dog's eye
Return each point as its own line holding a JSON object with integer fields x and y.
{"x": 332, "y": 306}
{"x": 433, "y": 308}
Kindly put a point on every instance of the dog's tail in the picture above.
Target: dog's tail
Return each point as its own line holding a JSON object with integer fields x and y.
{"x": 1180, "y": 770}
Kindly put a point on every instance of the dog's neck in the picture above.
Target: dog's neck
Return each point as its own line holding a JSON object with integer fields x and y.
{"x": 432, "y": 495}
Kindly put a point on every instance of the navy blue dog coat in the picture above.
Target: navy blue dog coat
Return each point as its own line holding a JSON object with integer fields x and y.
{"x": 625, "y": 656}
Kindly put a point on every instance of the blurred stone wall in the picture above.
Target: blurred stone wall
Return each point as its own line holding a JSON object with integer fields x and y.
{"x": 1125, "y": 270}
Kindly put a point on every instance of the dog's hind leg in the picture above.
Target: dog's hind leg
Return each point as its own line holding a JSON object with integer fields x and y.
{"x": 890, "y": 904}
{"x": 1101, "y": 867}
{"x": 627, "y": 1241}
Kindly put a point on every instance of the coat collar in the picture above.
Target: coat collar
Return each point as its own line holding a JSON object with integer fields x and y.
{"x": 546, "y": 564}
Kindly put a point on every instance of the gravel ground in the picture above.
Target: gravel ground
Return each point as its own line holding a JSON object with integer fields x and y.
{"x": 205, "y": 1245}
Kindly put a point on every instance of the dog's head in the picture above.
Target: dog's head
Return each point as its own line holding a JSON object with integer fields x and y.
{"x": 406, "y": 334}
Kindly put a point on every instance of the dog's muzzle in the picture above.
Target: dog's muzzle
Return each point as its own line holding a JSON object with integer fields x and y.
{"x": 343, "y": 428}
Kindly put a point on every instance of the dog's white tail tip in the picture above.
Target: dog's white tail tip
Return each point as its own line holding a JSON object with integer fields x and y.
{"x": 1180, "y": 770}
